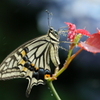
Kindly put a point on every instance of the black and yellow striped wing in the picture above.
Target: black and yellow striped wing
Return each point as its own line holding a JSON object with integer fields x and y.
{"x": 31, "y": 60}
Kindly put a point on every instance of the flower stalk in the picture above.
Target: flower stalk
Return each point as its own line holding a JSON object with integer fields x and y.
{"x": 65, "y": 66}
{"x": 53, "y": 90}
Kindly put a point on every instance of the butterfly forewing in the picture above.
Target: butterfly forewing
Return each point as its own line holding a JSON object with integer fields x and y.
{"x": 31, "y": 60}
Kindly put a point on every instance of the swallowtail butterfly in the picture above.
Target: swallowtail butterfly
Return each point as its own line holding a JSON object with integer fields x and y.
{"x": 31, "y": 60}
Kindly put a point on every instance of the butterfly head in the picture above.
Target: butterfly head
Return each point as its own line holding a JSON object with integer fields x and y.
{"x": 53, "y": 34}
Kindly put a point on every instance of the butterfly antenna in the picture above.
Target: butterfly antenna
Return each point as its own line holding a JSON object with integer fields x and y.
{"x": 49, "y": 18}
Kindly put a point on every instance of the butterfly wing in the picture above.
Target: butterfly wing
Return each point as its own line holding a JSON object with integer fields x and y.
{"x": 30, "y": 60}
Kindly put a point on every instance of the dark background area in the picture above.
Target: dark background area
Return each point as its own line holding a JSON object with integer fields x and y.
{"x": 22, "y": 20}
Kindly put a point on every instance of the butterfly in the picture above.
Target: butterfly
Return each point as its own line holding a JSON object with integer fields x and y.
{"x": 31, "y": 60}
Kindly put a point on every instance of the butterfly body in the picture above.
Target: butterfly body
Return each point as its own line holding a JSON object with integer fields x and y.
{"x": 31, "y": 60}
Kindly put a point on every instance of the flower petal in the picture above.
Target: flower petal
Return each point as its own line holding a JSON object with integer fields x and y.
{"x": 83, "y": 32}
{"x": 71, "y": 27}
{"x": 92, "y": 44}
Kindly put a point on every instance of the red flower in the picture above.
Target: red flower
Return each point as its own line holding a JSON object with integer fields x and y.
{"x": 71, "y": 27}
{"x": 92, "y": 44}
{"x": 72, "y": 31}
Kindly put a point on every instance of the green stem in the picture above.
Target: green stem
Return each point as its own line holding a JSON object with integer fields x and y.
{"x": 64, "y": 67}
{"x": 69, "y": 54}
{"x": 53, "y": 90}
{"x": 67, "y": 62}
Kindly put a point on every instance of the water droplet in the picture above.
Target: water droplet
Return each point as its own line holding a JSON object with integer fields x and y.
{"x": 48, "y": 88}
{"x": 51, "y": 94}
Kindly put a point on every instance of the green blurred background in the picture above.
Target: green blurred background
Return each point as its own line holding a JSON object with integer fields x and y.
{"x": 22, "y": 20}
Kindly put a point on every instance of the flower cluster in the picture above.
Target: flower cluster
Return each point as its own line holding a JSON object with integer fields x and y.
{"x": 72, "y": 31}
{"x": 92, "y": 44}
